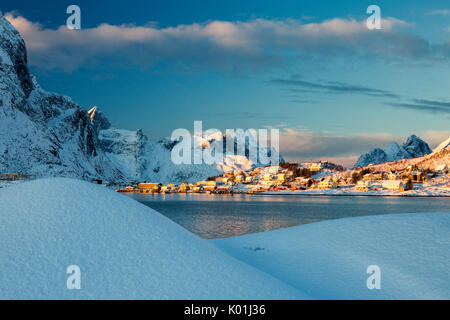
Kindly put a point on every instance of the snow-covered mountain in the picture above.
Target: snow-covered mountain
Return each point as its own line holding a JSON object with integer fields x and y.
{"x": 376, "y": 155}
{"x": 413, "y": 147}
{"x": 444, "y": 145}
{"x": 432, "y": 161}
{"x": 47, "y": 134}
{"x": 142, "y": 159}
{"x": 42, "y": 133}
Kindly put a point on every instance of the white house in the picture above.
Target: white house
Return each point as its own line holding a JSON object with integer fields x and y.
{"x": 393, "y": 185}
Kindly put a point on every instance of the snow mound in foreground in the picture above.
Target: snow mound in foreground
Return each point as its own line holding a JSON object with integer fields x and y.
{"x": 124, "y": 249}
{"x": 329, "y": 259}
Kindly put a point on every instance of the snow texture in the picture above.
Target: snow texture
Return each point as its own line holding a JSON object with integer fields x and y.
{"x": 329, "y": 259}
{"x": 124, "y": 249}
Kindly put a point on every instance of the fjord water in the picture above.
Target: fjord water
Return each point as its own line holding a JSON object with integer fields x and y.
{"x": 221, "y": 216}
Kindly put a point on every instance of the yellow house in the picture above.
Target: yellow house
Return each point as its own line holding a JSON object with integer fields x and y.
{"x": 416, "y": 176}
{"x": 315, "y": 167}
{"x": 183, "y": 188}
{"x": 281, "y": 177}
{"x": 202, "y": 183}
{"x": 363, "y": 185}
{"x": 304, "y": 182}
{"x": 314, "y": 186}
{"x": 149, "y": 186}
{"x": 392, "y": 176}
{"x": 326, "y": 184}
{"x": 371, "y": 177}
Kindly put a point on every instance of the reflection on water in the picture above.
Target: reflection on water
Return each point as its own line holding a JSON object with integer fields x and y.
{"x": 219, "y": 216}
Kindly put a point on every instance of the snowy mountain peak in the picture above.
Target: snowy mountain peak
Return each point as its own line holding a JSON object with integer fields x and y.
{"x": 416, "y": 147}
{"x": 444, "y": 145}
{"x": 413, "y": 147}
{"x": 13, "y": 56}
{"x": 42, "y": 133}
{"x": 376, "y": 155}
{"x": 394, "y": 151}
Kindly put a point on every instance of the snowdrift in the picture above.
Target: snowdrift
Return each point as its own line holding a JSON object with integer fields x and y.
{"x": 328, "y": 260}
{"x": 124, "y": 249}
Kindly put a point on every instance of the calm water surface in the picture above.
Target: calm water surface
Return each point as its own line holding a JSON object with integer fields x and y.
{"x": 219, "y": 216}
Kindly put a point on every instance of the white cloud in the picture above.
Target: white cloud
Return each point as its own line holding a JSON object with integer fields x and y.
{"x": 441, "y": 12}
{"x": 221, "y": 45}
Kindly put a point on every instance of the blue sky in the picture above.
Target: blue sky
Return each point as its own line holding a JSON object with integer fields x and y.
{"x": 311, "y": 68}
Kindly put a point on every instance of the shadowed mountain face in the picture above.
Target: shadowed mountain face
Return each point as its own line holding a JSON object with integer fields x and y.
{"x": 42, "y": 133}
{"x": 47, "y": 134}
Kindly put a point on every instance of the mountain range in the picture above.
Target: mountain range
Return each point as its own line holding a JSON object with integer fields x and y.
{"x": 413, "y": 147}
{"x": 48, "y": 134}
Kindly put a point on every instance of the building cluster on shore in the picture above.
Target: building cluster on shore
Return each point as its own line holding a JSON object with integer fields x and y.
{"x": 295, "y": 177}
{"x": 14, "y": 176}
{"x": 209, "y": 186}
{"x": 7, "y": 179}
{"x": 291, "y": 177}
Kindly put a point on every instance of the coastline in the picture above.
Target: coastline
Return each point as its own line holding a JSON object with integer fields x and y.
{"x": 365, "y": 194}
